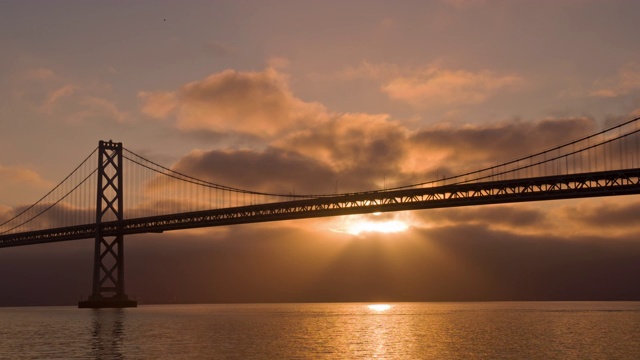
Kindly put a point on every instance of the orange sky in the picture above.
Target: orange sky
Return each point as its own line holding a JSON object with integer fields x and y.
{"x": 320, "y": 96}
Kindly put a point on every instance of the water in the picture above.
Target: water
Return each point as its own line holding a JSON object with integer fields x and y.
{"x": 501, "y": 330}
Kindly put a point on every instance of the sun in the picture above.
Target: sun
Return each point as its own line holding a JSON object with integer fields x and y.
{"x": 390, "y": 226}
{"x": 359, "y": 224}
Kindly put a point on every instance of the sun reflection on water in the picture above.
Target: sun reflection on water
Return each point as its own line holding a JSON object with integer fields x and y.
{"x": 379, "y": 307}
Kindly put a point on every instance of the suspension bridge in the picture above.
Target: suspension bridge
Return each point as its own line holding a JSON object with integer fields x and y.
{"x": 115, "y": 192}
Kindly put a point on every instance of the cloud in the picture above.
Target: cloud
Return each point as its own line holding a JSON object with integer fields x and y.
{"x": 343, "y": 152}
{"x": 15, "y": 181}
{"x": 256, "y": 103}
{"x": 336, "y": 152}
{"x": 487, "y": 253}
{"x": 304, "y": 263}
{"x": 467, "y": 147}
{"x": 60, "y": 98}
{"x": 271, "y": 170}
{"x": 573, "y": 220}
{"x": 358, "y": 152}
{"x": 157, "y": 105}
{"x": 605, "y": 217}
{"x": 626, "y": 82}
{"x": 45, "y": 216}
{"x": 94, "y": 108}
{"x": 518, "y": 219}
{"x": 56, "y": 95}
{"x": 374, "y": 147}
{"x": 40, "y": 75}
{"x": 285, "y": 263}
{"x": 434, "y": 85}
{"x": 352, "y": 141}
{"x": 262, "y": 104}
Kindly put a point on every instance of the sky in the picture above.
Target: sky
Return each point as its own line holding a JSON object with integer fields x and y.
{"x": 322, "y": 96}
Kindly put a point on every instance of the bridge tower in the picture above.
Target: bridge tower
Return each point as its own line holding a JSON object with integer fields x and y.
{"x": 108, "y": 261}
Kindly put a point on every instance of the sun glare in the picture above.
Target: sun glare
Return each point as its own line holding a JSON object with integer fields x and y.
{"x": 373, "y": 223}
{"x": 391, "y": 226}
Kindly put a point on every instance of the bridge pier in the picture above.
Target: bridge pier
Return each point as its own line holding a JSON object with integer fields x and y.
{"x": 107, "y": 302}
{"x": 108, "y": 261}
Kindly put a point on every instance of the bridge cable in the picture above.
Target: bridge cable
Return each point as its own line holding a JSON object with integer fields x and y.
{"x": 52, "y": 205}
{"x": 189, "y": 179}
{"x": 52, "y": 190}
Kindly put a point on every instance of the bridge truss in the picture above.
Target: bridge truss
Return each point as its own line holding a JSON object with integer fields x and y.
{"x": 606, "y": 183}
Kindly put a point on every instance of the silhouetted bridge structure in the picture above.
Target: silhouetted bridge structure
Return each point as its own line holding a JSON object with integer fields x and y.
{"x": 90, "y": 202}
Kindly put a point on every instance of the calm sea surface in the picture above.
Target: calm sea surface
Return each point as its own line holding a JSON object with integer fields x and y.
{"x": 500, "y": 330}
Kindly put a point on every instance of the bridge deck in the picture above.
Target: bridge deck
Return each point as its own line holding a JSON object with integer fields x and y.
{"x": 606, "y": 183}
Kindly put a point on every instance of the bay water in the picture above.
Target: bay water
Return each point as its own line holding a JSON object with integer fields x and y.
{"x": 491, "y": 330}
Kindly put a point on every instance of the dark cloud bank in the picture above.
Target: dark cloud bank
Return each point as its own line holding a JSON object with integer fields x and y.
{"x": 285, "y": 263}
